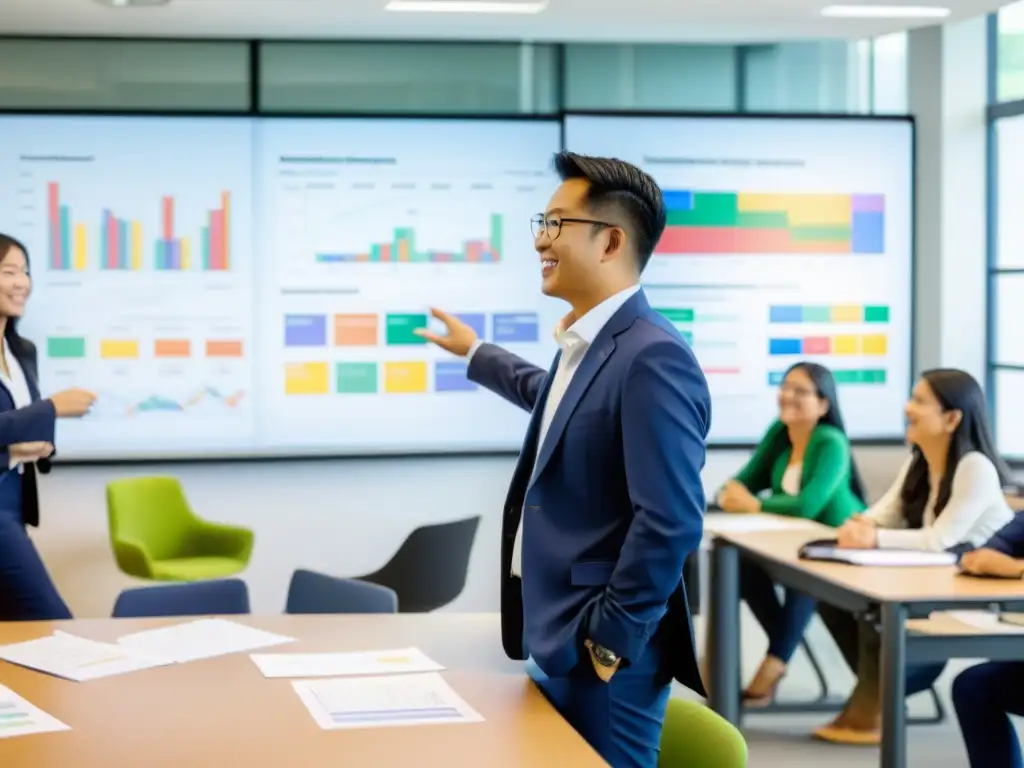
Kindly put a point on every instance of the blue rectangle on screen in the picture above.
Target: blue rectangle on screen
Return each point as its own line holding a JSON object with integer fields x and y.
{"x": 775, "y": 378}
{"x": 785, "y": 314}
{"x": 451, "y": 377}
{"x": 784, "y": 346}
{"x": 515, "y": 326}
{"x": 305, "y": 330}
{"x": 476, "y": 321}
{"x": 868, "y": 232}
{"x": 678, "y": 199}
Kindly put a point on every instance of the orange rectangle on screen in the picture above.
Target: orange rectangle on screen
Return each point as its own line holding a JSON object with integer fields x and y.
{"x": 224, "y": 348}
{"x": 172, "y": 348}
{"x": 355, "y": 330}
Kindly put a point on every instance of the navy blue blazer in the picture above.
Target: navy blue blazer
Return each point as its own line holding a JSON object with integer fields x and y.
{"x": 33, "y": 423}
{"x": 614, "y": 501}
{"x": 1010, "y": 538}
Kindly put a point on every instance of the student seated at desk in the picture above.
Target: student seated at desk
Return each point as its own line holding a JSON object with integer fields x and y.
{"x": 984, "y": 696}
{"x": 949, "y": 494}
{"x": 804, "y": 462}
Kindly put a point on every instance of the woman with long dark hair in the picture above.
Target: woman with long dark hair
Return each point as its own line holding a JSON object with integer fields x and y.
{"x": 27, "y": 426}
{"x": 805, "y": 465}
{"x": 947, "y": 496}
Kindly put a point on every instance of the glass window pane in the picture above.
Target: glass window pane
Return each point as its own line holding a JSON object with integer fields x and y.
{"x": 407, "y": 78}
{"x": 1009, "y": 412}
{"x": 1010, "y": 53}
{"x": 802, "y": 77}
{"x": 114, "y": 74}
{"x": 1009, "y": 326}
{"x": 1009, "y": 201}
{"x": 668, "y": 77}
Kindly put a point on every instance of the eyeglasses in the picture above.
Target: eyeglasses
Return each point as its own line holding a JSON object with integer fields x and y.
{"x": 552, "y": 225}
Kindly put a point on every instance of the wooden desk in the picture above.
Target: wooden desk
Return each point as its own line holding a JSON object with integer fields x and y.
{"x": 896, "y": 594}
{"x": 223, "y": 712}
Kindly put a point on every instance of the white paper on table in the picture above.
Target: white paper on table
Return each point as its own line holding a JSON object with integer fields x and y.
{"x": 988, "y": 622}
{"x": 379, "y": 702}
{"x": 724, "y": 522}
{"x": 20, "y": 718}
{"x": 76, "y": 658}
{"x": 391, "y": 662}
{"x": 201, "y": 639}
{"x": 884, "y": 558}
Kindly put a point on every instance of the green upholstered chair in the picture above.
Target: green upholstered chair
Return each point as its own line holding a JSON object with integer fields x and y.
{"x": 155, "y": 535}
{"x": 694, "y": 736}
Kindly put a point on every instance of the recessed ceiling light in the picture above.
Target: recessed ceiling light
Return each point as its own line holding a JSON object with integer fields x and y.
{"x": 466, "y": 6}
{"x": 885, "y": 11}
{"x": 132, "y": 3}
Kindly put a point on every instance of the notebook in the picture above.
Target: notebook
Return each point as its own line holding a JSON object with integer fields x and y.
{"x": 826, "y": 550}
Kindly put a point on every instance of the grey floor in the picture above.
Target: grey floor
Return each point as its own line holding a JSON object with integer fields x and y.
{"x": 781, "y": 741}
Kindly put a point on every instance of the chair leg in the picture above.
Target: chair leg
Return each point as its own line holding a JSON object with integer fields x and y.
{"x": 935, "y": 719}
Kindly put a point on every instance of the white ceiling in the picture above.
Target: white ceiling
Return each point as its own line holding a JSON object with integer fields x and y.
{"x": 597, "y": 20}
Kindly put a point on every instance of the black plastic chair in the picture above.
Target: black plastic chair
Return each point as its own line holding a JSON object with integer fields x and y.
{"x": 220, "y": 597}
{"x": 429, "y": 570}
{"x": 312, "y": 592}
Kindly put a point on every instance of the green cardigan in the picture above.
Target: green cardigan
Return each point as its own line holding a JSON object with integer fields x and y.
{"x": 825, "y": 493}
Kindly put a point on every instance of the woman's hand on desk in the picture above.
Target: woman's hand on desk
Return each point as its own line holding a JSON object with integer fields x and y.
{"x": 989, "y": 562}
{"x": 857, "y": 533}
{"x": 29, "y": 452}
{"x": 734, "y": 497}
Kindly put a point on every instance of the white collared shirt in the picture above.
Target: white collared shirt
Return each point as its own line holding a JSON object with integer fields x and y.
{"x": 574, "y": 341}
{"x": 17, "y": 386}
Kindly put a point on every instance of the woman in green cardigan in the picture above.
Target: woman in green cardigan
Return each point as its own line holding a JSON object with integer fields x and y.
{"x": 805, "y": 464}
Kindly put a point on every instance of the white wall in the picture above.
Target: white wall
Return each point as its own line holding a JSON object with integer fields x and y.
{"x": 341, "y": 517}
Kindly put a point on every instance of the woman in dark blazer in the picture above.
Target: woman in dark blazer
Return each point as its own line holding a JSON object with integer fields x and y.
{"x": 27, "y": 426}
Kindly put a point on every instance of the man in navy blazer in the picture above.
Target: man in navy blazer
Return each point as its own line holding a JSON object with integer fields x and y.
{"x": 606, "y": 501}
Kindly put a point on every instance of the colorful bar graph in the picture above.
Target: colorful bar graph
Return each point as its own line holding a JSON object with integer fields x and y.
{"x": 872, "y": 344}
{"x": 173, "y": 253}
{"x": 701, "y": 222}
{"x": 402, "y": 248}
{"x": 68, "y": 241}
{"x": 838, "y": 313}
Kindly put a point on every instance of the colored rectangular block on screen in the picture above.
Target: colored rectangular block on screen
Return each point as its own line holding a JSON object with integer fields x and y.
{"x": 405, "y": 377}
{"x": 868, "y": 232}
{"x": 874, "y": 344}
{"x": 306, "y": 379}
{"x": 876, "y": 314}
{"x": 847, "y": 313}
{"x": 784, "y": 346}
{"x": 815, "y": 314}
{"x": 475, "y": 320}
{"x": 355, "y": 378}
{"x": 172, "y": 348}
{"x": 305, "y": 330}
{"x": 677, "y": 315}
{"x": 65, "y": 347}
{"x": 845, "y": 345}
{"x": 400, "y": 328}
{"x": 450, "y": 376}
{"x": 785, "y": 314}
{"x": 114, "y": 349}
{"x": 223, "y": 348}
{"x": 515, "y": 327}
{"x": 355, "y": 330}
{"x": 816, "y": 345}
{"x": 859, "y": 376}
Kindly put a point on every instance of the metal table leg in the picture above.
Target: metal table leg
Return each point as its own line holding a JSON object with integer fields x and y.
{"x": 723, "y": 642}
{"x": 894, "y": 664}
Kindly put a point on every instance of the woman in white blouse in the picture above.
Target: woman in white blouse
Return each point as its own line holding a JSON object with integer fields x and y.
{"x": 948, "y": 495}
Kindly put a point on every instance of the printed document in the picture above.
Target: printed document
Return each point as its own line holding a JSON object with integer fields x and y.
{"x": 78, "y": 659}
{"x": 19, "y": 718}
{"x": 201, "y": 639}
{"x": 377, "y": 702}
{"x": 403, "y": 660}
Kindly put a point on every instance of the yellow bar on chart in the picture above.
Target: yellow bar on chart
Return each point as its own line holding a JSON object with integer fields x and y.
{"x": 405, "y": 378}
{"x": 847, "y": 313}
{"x": 79, "y": 258}
{"x": 119, "y": 349}
{"x": 875, "y": 344}
{"x": 184, "y": 253}
{"x": 136, "y": 242}
{"x": 845, "y": 345}
{"x": 306, "y": 379}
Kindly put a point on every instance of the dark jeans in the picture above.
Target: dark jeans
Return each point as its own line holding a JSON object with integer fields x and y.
{"x": 984, "y": 696}
{"x": 861, "y": 646}
{"x": 26, "y": 591}
{"x": 783, "y": 621}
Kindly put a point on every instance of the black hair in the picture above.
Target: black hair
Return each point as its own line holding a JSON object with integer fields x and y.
{"x": 825, "y": 388}
{"x": 14, "y": 340}
{"x": 618, "y": 186}
{"x": 955, "y": 390}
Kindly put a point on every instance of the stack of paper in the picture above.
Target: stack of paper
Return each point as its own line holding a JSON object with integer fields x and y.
{"x": 19, "y": 718}
{"x": 404, "y": 660}
{"x": 78, "y": 659}
{"x": 201, "y": 639}
{"x": 374, "y": 702}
